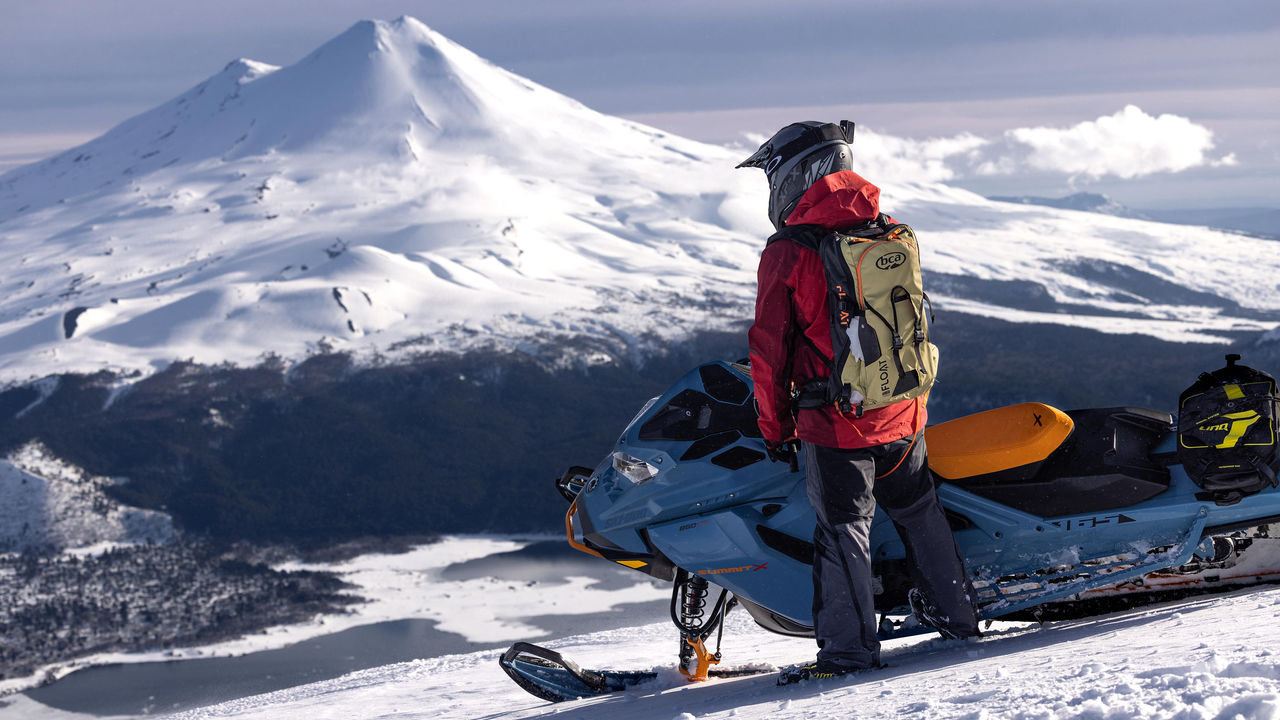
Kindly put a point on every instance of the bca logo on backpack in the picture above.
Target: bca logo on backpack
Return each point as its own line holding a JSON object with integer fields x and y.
{"x": 1227, "y": 431}
{"x": 879, "y": 330}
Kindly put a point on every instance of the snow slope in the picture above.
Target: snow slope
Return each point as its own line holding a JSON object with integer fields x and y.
{"x": 51, "y": 504}
{"x": 1207, "y": 658}
{"x": 389, "y": 187}
{"x": 394, "y": 193}
{"x": 1210, "y": 657}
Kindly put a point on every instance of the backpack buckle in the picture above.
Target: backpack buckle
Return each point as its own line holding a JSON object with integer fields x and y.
{"x": 843, "y": 405}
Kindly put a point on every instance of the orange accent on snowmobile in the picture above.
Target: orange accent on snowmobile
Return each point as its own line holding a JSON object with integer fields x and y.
{"x": 705, "y": 660}
{"x": 995, "y": 440}
{"x": 568, "y": 530}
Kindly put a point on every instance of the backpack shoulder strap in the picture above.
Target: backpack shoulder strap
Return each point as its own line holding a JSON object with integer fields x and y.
{"x": 809, "y": 236}
{"x": 874, "y": 228}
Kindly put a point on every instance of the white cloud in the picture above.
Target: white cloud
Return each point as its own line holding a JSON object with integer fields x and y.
{"x": 1127, "y": 144}
{"x": 933, "y": 160}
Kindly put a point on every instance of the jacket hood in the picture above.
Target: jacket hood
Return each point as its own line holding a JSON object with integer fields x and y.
{"x": 837, "y": 200}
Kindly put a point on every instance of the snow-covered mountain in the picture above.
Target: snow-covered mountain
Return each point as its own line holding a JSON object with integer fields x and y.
{"x": 394, "y": 193}
{"x": 1255, "y": 221}
{"x": 391, "y": 187}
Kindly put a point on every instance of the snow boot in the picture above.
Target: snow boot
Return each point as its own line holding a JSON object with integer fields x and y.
{"x": 927, "y": 614}
{"x": 820, "y": 670}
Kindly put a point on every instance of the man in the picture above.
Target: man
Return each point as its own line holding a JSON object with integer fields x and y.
{"x": 852, "y": 460}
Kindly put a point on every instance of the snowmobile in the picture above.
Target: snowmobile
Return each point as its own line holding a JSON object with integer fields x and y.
{"x": 1045, "y": 505}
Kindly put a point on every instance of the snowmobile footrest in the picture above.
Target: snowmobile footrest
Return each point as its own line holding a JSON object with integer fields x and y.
{"x": 1006, "y": 596}
{"x": 551, "y": 676}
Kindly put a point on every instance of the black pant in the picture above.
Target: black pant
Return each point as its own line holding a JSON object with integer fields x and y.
{"x": 844, "y": 491}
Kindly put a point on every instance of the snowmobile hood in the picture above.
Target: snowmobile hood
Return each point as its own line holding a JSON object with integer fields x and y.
{"x": 837, "y": 200}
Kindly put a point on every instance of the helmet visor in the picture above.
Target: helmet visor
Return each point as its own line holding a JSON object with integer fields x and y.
{"x": 790, "y": 181}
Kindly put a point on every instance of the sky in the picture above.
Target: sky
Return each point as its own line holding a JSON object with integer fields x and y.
{"x": 1007, "y": 97}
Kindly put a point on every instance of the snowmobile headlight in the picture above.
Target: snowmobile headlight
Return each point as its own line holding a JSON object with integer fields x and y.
{"x": 635, "y": 469}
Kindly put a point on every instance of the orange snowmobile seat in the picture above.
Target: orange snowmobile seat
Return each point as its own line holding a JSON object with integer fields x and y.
{"x": 996, "y": 440}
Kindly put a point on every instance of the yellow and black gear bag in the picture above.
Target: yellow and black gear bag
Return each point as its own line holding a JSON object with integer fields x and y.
{"x": 1227, "y": 432}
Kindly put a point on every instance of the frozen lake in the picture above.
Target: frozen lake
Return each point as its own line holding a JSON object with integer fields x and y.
{"x": 538, "y": 568}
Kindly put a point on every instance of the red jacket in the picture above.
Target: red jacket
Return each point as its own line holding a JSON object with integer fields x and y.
{"x": 791, "y": 301}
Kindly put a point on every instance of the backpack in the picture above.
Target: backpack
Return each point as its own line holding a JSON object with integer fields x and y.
{"x": 879, "y": 331}
{"x": 1227, "y": 432}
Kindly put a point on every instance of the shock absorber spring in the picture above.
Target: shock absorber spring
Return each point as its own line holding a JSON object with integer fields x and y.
{"x": 691, "y": 609}
{"x": 693, "y": 603}
{"x": 697, "y": 619}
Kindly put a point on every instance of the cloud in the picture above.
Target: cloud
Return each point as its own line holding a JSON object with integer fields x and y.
{"x": 931, "y": 160}
{"x": 1127, "y": 144}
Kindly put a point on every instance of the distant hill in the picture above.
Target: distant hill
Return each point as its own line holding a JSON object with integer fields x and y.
{"x": 1088, "y": 202}
{"x": 1255, "y": 221}
{"x": 1263, "y": 222}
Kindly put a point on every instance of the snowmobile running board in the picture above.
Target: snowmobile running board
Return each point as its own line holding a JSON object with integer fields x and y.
{"x": 1027, "y": 591}
{"x": 551, "y": 676}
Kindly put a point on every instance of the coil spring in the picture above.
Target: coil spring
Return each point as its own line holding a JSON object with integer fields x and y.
{"x": 693, "y": 602}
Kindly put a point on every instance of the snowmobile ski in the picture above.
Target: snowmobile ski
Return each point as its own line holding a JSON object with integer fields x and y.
{"x": 547, "y": 674}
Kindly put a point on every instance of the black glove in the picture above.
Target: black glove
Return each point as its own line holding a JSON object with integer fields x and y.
{"x": 786, "y": 452}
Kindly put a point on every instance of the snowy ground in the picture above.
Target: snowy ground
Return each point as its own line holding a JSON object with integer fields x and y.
{"x": 1207, "y": 658}
{"x": 50, "y": 503}
{"x": 1212, "y": 657}
{"x": 481, "y": 610}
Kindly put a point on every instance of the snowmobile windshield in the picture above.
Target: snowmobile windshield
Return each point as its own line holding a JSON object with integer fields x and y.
{"x": 652, "y": 401}
{"x": 692, "y": 415}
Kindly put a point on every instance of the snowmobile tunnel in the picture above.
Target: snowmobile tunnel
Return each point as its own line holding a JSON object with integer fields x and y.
{"x": 1018, "y": 436}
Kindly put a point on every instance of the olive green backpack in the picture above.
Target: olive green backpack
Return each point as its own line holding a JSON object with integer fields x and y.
{"x": 879, "y": 330}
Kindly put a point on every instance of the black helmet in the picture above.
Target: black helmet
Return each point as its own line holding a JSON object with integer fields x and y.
{"x": 796, "y": 156}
